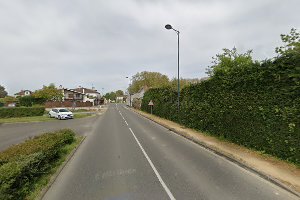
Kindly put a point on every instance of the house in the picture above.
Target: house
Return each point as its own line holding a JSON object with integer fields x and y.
{"x": 90, "y": 95}
{"x": 121, "y": 99}
{"x": 135, "y": 99}
{"x": 71, "y": 98}
{"x": 23, "y": 93}
{"x": 72, "y": 95}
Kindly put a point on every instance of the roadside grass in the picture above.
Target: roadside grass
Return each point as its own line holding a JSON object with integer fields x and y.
{"x": 26, "y": 119}
{"x": 82, "y": 115}
{"x": 43, "y": 183}
{"x": 43, "y": 118}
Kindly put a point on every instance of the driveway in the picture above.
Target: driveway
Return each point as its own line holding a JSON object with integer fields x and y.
{"x": 18, "y": 132}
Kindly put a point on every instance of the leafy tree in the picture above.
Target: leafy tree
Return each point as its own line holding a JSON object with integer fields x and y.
{"x": 228, "y": 61}
{"x": 119, "y": 93}
{"x": 149, "y": 79}
{"x": 9, "y": 99}
{"x": 291, "y": 43}
{"x": 49, "y": 93}
{"x": 111, "y": 96}
{"x": 183, "y": 82}
{"x": 3, "y": 93}
{"x": 286, "y": 65}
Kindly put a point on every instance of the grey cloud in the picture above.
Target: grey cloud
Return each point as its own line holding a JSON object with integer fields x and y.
{"x": 101, "y": 42}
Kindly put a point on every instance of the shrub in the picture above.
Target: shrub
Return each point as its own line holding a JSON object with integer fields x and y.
{"x": 252, "y": 104}
{"x": 21, "y": 112}
{"x": 21, "y": 165}
{"x": 29, "y": 101}
{"x": 136, "y": 103}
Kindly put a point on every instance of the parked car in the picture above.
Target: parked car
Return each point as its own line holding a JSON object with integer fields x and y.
{"x": 61, "y": 113}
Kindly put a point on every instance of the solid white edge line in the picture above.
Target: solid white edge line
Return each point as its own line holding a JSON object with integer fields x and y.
{"x": 153, "y": 167}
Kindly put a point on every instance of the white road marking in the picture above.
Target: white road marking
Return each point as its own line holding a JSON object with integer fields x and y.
{"x": 153, "y": 167}
{"x": 123, "y": 118}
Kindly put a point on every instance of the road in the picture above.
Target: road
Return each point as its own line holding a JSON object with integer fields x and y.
{"x": 18, "y": 132}
{"x": 126, "y": 156}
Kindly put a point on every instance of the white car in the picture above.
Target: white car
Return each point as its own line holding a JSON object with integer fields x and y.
{"x": 61, "y": 113}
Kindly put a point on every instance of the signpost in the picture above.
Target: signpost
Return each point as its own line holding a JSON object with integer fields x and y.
{"x": 151, "y": 104}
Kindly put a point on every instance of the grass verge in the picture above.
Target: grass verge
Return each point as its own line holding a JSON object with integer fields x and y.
{"x": 26, "y": 119}
{"x": 43, "y": 118}
{"x": 82, "y": 115}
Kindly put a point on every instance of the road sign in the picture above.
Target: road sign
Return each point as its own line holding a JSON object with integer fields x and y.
{"x": 150, "y": 103}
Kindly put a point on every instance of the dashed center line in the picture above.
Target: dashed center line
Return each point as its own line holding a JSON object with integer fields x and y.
{"x": 151, "y": 163}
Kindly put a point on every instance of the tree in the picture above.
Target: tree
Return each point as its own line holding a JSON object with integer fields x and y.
{"x": 119, "y": 93}
{"x": 229, "y": 61}
{"x": 111, "y": 96}
{"x": 10, "y": 99}
{"x": 288, "y": 60}
{"x": 291, "y": 43}
{"x": 183, "y": 82}
{"x": 49, "y": 93}
{"x": 3, "y": 93}
{"x": 149, "y": 79}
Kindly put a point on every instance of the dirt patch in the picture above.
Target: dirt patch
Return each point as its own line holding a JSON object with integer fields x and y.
{"x": 280, "y": 172}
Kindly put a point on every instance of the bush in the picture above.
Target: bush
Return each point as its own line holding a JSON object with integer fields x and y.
{"x": 21, "y": 165}
{"x": 29, "y": 101}
{"x": 256, "y": 105}
{"x": 136, "y": 103}
{"x": 21, "y": 112}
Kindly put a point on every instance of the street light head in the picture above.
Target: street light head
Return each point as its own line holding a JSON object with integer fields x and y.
{"x": 168, "y": 26}
{"x": 127, "y": 77}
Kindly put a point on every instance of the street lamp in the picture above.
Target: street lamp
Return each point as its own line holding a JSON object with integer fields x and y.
{"x": 129, "y": 91}
{"x": 168, "y": 26}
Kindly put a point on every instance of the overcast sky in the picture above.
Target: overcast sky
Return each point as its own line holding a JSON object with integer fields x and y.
{"x": 100, "y": 42}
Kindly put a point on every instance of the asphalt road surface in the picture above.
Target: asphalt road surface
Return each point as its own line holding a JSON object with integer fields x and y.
{"x": 18, "y": 132}
{"x": 126, "y": 156}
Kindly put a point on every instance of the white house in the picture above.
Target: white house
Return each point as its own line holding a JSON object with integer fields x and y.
{"x": 23, "y": 93}
{"x": 91, "y": 95}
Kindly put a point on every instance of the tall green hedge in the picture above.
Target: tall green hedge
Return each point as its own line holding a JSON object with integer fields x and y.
{"x": 21, "y": 112}
{"x": 257, "y": 106}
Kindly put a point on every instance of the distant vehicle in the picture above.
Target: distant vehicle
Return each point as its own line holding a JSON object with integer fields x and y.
{"x": 61, "y": 113}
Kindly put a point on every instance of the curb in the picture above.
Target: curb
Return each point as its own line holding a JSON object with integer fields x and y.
{"x": 231, "y": 159}
{"x": 59, "y": 170}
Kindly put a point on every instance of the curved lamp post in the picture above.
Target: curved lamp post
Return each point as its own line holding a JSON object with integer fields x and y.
{"x": 169, "y": 27}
